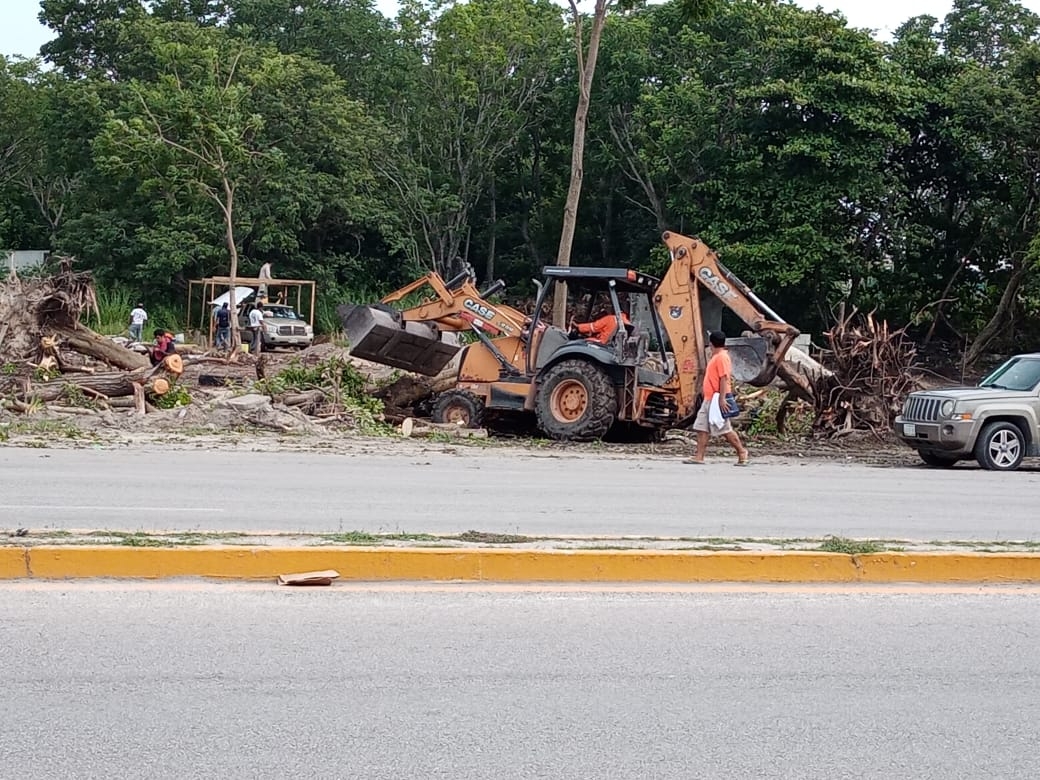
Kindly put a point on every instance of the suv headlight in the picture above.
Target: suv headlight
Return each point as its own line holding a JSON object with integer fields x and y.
{"x": 947, "y": 408}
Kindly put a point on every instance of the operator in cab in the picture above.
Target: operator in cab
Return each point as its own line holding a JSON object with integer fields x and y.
{"x": 602, "y": 329}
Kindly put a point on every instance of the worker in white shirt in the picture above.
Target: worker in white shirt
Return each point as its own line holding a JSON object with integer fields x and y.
{"x": 256, "y": 327}
{"x": 138, "y": 317}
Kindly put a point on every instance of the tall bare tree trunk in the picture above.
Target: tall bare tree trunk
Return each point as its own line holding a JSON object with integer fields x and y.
{"x": 489, "y": 268}
{"x": 1004, "y": 314}
{"x": 586, "y": 69}
{"x": 229, "y": 237}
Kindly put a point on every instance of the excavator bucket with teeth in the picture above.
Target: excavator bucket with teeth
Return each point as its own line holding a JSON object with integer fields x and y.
{"x": 378, "y": 334}
{"x": 751, "y": 361}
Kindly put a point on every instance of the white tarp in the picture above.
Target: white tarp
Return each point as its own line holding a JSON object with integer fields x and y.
{"x": 241, "y": 293}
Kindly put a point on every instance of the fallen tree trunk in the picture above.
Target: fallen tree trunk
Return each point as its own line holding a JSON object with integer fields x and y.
{"x": 110, "y": 385}
{"x": 87, "y": 342}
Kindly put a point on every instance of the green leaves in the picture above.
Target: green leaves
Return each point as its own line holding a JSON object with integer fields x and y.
{"x": 355, "y": 149}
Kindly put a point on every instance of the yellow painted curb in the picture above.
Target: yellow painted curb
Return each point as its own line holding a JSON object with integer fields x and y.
{"x": 498, "y": 565}
{"x": 13, "y": 563}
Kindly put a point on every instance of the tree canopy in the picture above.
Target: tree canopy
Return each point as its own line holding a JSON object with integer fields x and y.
{"x": 158, "y": 140}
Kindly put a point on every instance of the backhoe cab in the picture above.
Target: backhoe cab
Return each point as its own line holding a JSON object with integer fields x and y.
{"x": 646, "y": 374}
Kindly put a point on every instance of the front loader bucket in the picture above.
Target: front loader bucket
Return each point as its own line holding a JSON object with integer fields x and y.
{"x": 751, "y": 362}
{"x": 380, "y": 336}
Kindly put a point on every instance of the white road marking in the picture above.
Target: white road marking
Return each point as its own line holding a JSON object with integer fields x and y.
{"x": 73, "y": 508}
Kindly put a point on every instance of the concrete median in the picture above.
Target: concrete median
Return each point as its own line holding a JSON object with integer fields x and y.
{"x": 404, "y": 564}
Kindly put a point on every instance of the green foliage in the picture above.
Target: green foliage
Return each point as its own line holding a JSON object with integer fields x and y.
{"x": 343, "y": 384}
{"x": 762, "y": 417}
{"x": 824, "y": 165}
{"x": 176, "y": 397}
{"x": 43, "y": 374}
{"x": 115, "y": 302}
{"x": 73, "y": 395}
{"x": 839, "y": 544}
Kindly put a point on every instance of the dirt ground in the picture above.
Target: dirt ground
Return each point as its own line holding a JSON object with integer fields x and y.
{"x": 232, "y": 416}
{"x": 189, "y": 428}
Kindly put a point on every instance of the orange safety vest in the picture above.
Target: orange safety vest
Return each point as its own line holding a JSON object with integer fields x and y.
{"x": 602, "y": 330}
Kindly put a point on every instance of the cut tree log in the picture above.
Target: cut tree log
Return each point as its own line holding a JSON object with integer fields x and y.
{"x": 78, "y": 410}
{"x": 111, "y": 385}
{"x": 411, "y": 427}
{"x": 85, "y": 341}
{"x": 306, "y": 401}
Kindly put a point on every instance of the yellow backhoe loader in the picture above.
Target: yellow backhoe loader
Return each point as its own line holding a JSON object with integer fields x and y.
{"x": 646, "y": 374}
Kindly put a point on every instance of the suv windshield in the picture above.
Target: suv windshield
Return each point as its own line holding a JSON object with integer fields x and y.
{"x": 282, "y": 312}
{"x": 1016, "y": 374}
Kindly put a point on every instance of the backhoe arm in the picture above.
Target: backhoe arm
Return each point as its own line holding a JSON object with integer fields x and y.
{"x": 695, "y": 265}
{"x": 459, "y": 306}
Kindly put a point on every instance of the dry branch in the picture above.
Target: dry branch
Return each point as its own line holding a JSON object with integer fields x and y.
{"x": 872, "y": 371}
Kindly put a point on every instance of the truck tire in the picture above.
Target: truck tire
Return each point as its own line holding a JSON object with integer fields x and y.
{"x": 1000, "y": 447}
{"x": 937, "y": 461}
{"x": 458, "y": 406}
{"x": 576, "y": 401}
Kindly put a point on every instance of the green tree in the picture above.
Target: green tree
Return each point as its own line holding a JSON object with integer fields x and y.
{"x": 486, "y": 66}
{"x": 268, "y": 140}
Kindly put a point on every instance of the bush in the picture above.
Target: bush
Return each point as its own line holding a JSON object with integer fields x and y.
{"x": 343, "y": 385}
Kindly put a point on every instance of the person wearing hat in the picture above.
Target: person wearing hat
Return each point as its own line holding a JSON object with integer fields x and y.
{"x": 164, "y": 345}
{"x": 138, "y": 317}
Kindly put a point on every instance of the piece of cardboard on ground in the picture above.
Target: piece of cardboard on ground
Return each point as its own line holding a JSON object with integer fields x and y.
{"x": 309, "y": 578}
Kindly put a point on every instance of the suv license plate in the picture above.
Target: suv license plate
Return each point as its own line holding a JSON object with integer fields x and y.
{"x": 909, "y": 429}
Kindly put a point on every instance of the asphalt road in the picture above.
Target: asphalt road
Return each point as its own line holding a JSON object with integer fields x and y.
{"x": 507, "y": 492}
{"x": 193, "y": 680}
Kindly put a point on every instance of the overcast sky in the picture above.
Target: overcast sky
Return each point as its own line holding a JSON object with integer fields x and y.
{"x": 21, "y": 33}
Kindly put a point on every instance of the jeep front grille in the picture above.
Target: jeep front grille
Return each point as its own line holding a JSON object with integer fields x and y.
{"x": 922, "y": 409}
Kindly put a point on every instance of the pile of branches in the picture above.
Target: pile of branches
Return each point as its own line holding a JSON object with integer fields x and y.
{"x": 48, "y": 356}
{"x": 871, "y": 371}
{"x": 34, "y": 307}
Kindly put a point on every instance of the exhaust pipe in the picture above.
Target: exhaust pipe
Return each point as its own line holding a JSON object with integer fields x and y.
{"x": 496, "y": 287}
{"x": 458, "y": 279}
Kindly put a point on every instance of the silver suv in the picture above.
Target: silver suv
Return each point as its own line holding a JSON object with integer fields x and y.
{"x": 995, "y": 423}
{"x": 283, "y": 327}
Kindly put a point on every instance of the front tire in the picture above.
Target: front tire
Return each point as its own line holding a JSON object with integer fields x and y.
{"x": 937, "y": 461}
{"x": 458, "y": 407}
{"x": 1000, "y": 447}
{"x": 576, "y": 402}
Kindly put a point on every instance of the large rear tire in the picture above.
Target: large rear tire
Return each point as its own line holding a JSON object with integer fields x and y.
{"x": 576, "y": 401}
{"x": 459, "y": 407}
{"x": 937, "y": 461}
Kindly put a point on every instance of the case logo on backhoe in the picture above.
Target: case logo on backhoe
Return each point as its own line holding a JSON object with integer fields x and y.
{"x": 487, "y": 314}
{"x": 479, "y": 309}
{"x": 720, "y": 288}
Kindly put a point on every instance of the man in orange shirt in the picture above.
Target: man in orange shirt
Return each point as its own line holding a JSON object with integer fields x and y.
{"x": 602, "y": 329}
{"x": 718, "y": 380}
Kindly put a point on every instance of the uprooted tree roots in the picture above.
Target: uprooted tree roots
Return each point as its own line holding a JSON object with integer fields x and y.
{"x": 33, "y": 308}
{"x": 41, "y": 333}
{"x": 870, "y": 371}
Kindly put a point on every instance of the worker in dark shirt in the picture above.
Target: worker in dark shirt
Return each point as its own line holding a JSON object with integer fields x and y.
{"x": 164, "y": 345}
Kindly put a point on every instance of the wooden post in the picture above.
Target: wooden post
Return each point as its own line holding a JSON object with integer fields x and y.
{"x": 312, "y": 305}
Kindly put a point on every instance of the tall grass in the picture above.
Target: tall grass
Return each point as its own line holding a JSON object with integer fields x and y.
{"x": 326, "y": 321}
{"x": 114, "y": 305}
